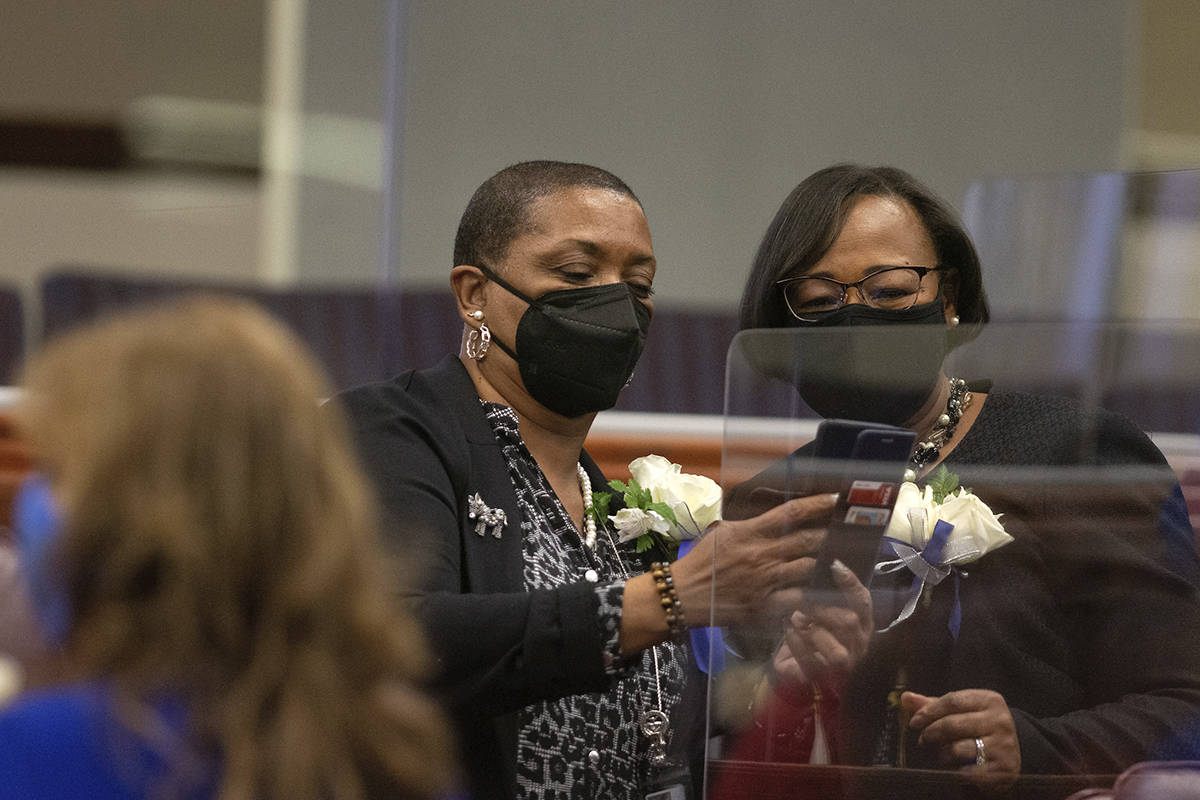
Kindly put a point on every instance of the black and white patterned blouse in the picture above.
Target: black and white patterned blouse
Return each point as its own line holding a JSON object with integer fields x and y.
{"x": 584, "y": 745}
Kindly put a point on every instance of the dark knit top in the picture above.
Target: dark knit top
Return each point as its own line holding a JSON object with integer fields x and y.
{"x": 1088, "y": 623}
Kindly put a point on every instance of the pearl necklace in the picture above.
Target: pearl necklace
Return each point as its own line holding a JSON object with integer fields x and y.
{"x": 589, "y": 521}
{"x": 927, "y": 450}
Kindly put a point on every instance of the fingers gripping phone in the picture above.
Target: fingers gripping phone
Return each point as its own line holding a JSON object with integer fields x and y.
{"x": 866, "y": 462}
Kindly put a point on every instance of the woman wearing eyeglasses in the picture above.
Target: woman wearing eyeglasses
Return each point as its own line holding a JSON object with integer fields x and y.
{"x": 1077, "y": 645}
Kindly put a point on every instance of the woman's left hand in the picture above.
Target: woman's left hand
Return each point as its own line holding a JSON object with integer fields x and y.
{"x": 953, "y": 722}
{"x": 824, "y": 645}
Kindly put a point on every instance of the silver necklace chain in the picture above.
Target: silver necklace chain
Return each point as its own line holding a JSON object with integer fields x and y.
{"x": 654, "y": 724}
{"x": 927, "y": 450}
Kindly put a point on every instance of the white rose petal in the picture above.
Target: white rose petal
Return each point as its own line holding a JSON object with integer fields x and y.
{"x": 651, "y": 472}
{"x": 634, "y": 522}
{"x": 977, "y": 530}
{"x": 696, "y": 501}
{"x": 906, "y": 526}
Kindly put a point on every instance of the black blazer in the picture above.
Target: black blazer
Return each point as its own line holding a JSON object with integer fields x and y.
{"x": 428, "y": 445}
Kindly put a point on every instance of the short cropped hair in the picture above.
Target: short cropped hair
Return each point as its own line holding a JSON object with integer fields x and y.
{"x": 813, "y": 216}
{"x": 498, "y": 212}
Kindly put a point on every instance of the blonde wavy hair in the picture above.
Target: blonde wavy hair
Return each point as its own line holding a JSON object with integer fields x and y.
{"x": 220, "y": 547}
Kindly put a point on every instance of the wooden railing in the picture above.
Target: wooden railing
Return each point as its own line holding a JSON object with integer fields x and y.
{"x": 695, "y": 442}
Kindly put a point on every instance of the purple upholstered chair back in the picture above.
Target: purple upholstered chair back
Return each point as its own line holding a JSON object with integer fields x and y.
{"x": 359, "y": 334}
{"x": 362, "y": 334}
{"x": 1151, "y": 780}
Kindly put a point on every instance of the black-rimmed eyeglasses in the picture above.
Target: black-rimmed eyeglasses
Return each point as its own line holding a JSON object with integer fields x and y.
{"x": 897, "y": 288}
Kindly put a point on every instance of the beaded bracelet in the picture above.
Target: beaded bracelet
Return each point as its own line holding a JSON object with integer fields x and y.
{"x": 676, "y": 623}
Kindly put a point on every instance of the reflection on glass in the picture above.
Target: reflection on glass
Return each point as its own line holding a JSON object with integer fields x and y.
{"x": 1089, "y": 246}
{"x": 1061, "y": 601}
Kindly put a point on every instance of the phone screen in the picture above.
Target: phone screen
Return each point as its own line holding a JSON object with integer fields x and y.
{"x": 868, "y": 476}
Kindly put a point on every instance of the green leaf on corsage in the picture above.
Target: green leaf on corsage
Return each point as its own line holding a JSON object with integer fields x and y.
{"x": 943, "y": 483}
{"x": 664, "y": 511}
{"x": 598, "y": 510}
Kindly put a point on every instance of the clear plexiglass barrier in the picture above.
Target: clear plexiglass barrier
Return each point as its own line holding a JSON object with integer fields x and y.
{"x": 1018, "y": 610}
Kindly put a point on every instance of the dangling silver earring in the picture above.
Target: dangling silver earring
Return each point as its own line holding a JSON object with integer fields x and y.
{"x": 954, "y": 320}
{"x": 479, "y": 341}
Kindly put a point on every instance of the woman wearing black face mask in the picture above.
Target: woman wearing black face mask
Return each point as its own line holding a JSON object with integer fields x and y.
{"x": 1054, "y": 669}
{"x": 853, "y": 247}
{"x": 554, "y": 641}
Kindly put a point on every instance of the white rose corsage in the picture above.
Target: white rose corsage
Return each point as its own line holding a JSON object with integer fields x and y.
{"x": 668, "y": 507}
{"x": 935, "y": 530}
{"x": 663, "y": 505}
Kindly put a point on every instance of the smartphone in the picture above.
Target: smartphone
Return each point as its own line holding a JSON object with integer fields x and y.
{"x": 817, "y": 468}
{"x": 867, "y": 462}
{"x": 833, "y": 450}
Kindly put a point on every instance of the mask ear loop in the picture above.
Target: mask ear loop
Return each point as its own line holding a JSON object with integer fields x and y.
{"x": 508, "y": 287}
{"x": 481, "y": 346}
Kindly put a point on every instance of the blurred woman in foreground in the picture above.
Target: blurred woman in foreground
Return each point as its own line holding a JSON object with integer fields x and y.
{"x": 201, "y": 543}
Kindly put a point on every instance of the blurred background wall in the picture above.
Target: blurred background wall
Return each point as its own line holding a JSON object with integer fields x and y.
{"x": 336, "y": 141}
{"x": 282, "y": 146}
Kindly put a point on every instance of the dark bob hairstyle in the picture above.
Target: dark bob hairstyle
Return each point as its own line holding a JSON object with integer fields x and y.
{"x": 813, "y": 215}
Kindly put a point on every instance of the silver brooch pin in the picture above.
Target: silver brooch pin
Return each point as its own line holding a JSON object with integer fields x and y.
{"x": 486, "y": 519}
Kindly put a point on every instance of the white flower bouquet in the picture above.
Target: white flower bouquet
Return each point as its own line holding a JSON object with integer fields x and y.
{"x": 933, "y": 532}
{"x": 977, "y": 529}
{"x": 663, "y": 504}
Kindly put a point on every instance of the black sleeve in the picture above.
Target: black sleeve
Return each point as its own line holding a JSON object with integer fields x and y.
{"x": 495, "y": 652}
{"x": 1123, "y": 578}
{"x": 1137, "y": 649}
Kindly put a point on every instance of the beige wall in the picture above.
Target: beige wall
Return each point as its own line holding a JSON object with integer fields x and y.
{"x": 711, "y": 110}
{"x": 1166, "y": 133}
{"x": 1170, "y": 79}
{"x": 89, "y": 61}
{"x": 90, "y": 58}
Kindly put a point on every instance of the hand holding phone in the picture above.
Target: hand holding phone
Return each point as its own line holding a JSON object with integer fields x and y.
{"x": 868, "y": 462}
{"x": 824, "y": 645}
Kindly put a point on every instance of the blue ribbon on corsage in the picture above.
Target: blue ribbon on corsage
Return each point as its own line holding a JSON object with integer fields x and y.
{"x": 926, "y": 568}
{"x": 708, "y": 644}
